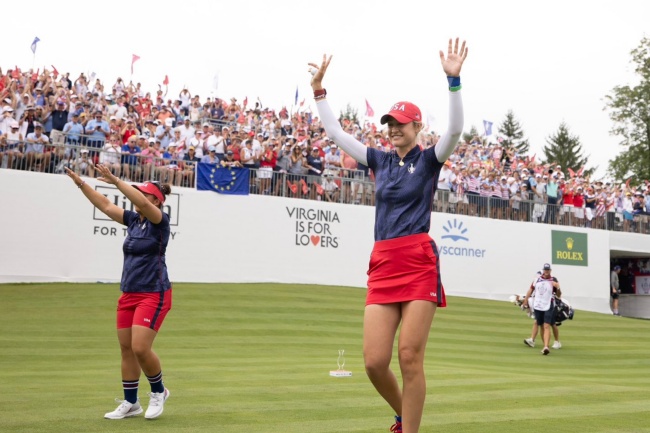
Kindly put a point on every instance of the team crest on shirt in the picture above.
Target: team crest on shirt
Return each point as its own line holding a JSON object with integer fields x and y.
{"x": 411, "y": 168}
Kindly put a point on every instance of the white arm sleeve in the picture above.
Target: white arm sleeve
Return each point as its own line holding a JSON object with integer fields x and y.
{"x": 445, "y": 147}
{"x": 342, "y": 139}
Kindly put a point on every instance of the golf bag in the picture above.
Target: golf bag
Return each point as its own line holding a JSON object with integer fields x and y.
{"x": 563, "y": 311}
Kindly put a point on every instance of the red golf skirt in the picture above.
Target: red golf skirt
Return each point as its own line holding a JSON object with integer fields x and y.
{"x": 405, "y": 269}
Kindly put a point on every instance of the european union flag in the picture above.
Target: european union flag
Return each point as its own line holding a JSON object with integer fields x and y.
{"x": 223, "y": 180}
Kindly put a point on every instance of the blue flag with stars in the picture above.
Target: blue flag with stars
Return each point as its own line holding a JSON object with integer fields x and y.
{"x": 214, "y": 177}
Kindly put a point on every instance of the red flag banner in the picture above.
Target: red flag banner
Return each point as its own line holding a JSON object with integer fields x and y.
{"x": 166, "y": 81}
{"x": 571, "y": 173}
{"x": 54, "y": 71}
{"x": 579, "y": 173}
{"x": 134, "y": 59}
{"x": 369, "y": 111}
{"x": 319, "y": 188}
{"x": 305, "y": 188}
{"x": 627, "y": 183}
{"x": 292, "y": 187}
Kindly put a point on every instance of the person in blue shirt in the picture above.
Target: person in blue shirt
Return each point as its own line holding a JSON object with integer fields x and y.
{"x": 131, "y": 167}
{"x": 73, "y": 130}
{"x": 146, "y": 289}
{"x": 404, "y": 283}
{"x": 97, "y": 130}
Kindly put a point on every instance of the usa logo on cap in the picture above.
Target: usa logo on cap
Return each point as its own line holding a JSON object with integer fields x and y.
{"x": 403, "y": 112}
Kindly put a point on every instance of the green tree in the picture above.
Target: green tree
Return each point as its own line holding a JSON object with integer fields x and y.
{"x": 351, "y": 114}
{"x": 565, "y": 149}
{"x": 629, "y": 109}
{"x": 513, "y": 135}
{"x": 469, "y": 136}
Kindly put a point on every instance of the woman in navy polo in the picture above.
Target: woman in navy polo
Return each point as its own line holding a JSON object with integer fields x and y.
{"x": 146, "y": 290}
{"x": 404, "y": 282}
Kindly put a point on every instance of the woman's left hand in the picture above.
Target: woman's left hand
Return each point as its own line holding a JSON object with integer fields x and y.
{"x": 105, "y": 175}
{"x": 455, "y": 58}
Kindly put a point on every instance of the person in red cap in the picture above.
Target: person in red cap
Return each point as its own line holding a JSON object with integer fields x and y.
{"x": 404, "y": 283}
{"x": 146, "y": 290}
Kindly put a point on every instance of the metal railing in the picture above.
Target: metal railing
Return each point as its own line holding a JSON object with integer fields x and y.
{"x": 338, "y": 186}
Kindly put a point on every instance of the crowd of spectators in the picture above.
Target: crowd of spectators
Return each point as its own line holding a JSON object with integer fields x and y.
{"x": 50, "y": 121}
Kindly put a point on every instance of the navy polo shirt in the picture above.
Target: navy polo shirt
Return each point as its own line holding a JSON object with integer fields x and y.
{"x": 144, "y": 249}
{"x": 404, "y": 194}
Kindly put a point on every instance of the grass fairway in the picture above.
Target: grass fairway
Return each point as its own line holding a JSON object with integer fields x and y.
{"x": 256, "y": 358}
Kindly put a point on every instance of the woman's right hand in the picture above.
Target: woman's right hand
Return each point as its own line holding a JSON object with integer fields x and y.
{"x": 317, "y": 77}
{"x": 74, "y": 176}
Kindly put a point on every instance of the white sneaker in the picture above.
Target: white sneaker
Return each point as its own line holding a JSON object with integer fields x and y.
{"x": 156, "y": 404}
{"x": 529, "y": 342}
{"x": 124, "y": 410}
{"x": 557, "y": 345}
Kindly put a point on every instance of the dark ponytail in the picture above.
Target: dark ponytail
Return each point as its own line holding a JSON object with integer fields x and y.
{"x": 165, "y": 188}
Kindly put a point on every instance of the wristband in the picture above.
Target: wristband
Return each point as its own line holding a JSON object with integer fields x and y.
{"x": 454, "y": 84}
{"x": 320, "y": 94}
{"x": 83, "y": 182}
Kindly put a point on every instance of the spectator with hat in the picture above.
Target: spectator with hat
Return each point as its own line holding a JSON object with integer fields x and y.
{"x": 186, "y": 130}
{"x": 83, "y": 165}
{"x": 545, "y": 287}
{"x": 129, "y": 130}
{"x": 13, "y": 146}
{"x": 59, "y": 119}
{"x": 7, "y": 119}
{"x": 230, "y": 161}
{"x": 552, "y": 198}
{"x": 164, "y": 132}
{"x": 211, "y": 157}
{"x": 189, "y": 167}
{"x": 97, "y": 129}
{"x": 36, "y": 151}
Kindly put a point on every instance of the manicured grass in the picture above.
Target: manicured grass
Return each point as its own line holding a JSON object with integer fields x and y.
{"x": 256, "y": 358}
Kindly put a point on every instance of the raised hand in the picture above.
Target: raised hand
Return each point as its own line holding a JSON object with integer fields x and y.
{"x": 318, "y": 72}
{"x": 455, "y": 58}
{"x": 105, "y": 175}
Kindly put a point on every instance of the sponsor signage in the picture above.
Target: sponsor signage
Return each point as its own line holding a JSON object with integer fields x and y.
{"x": 569, "y": 248}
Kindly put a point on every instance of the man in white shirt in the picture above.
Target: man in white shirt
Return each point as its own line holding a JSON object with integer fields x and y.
{"x": 186, "y": 129}
{"x": 545, "y": 287}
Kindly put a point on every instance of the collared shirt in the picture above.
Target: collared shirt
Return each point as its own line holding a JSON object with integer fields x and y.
{"x": 404, "y": 192}
{"x": 144, "y": 250}
{"x": 96, "y": 135}
{"x": 73, "y": 130}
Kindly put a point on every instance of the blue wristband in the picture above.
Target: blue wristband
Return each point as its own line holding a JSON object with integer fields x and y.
{"x": 453, "y": 81}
